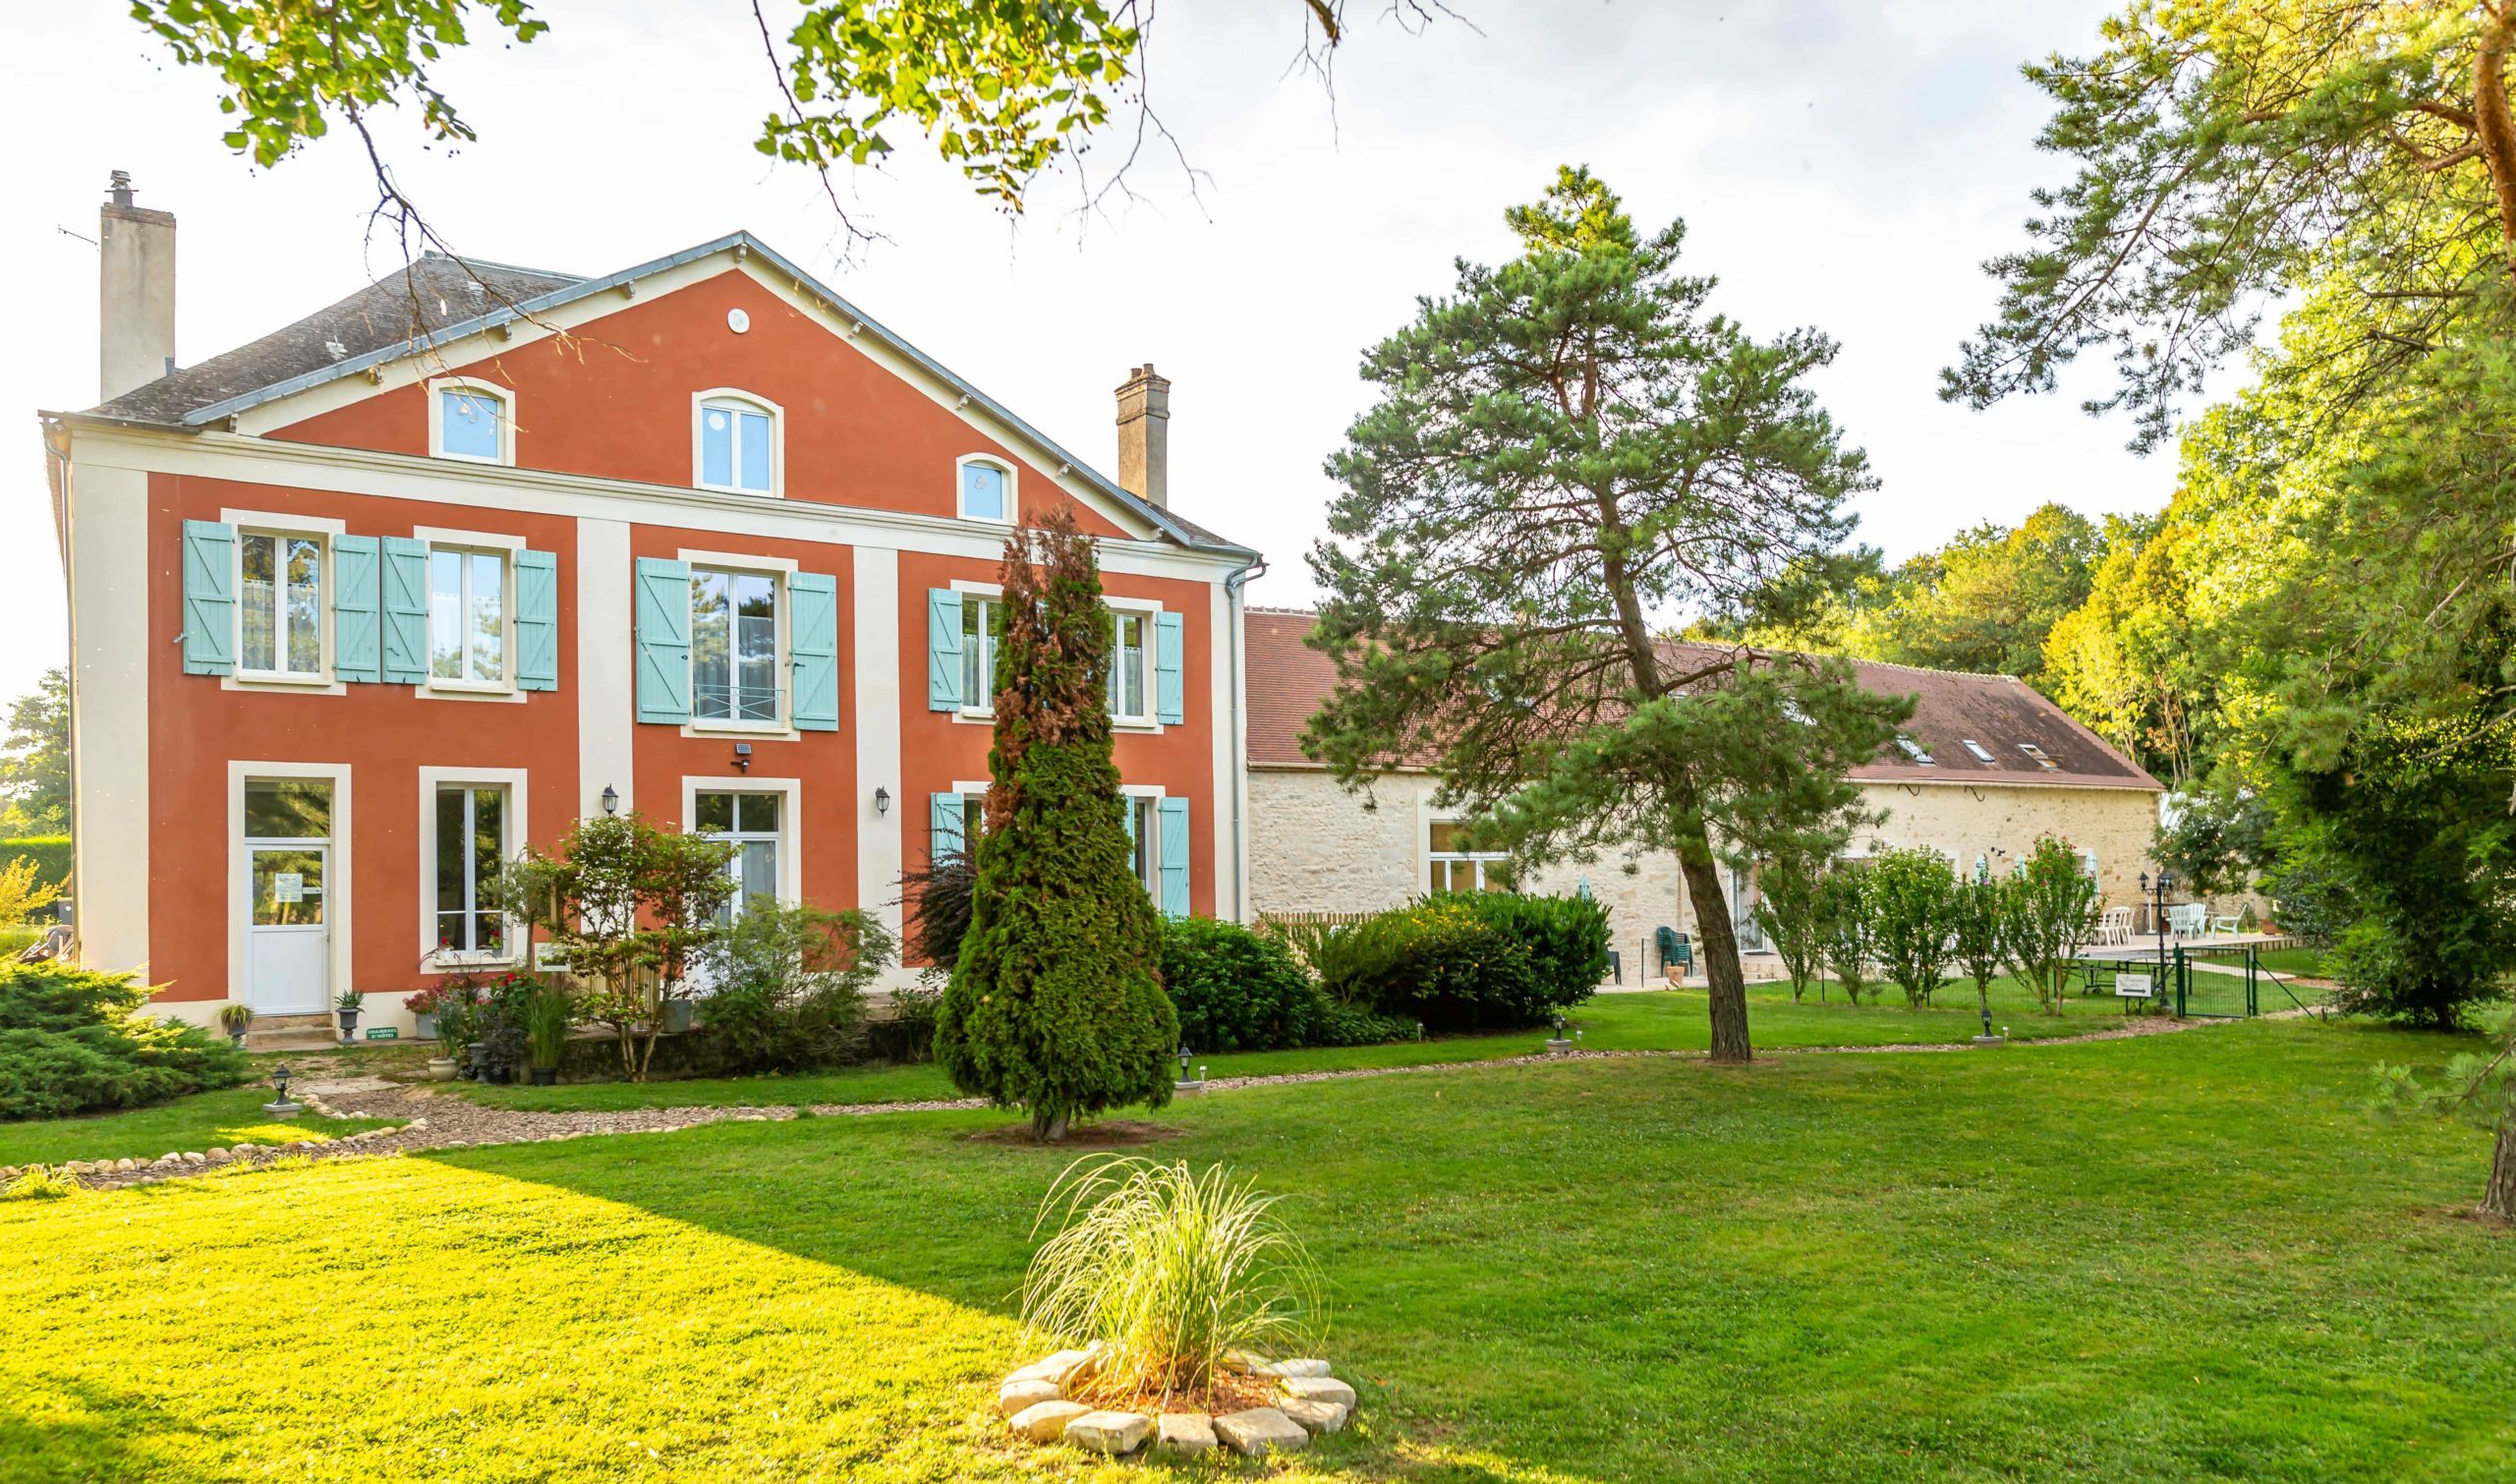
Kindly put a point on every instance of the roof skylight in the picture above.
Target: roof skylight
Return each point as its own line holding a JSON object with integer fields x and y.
{"x": 1915, "y": 751}
{"x": 1982, "y": 754}
{"x": 2037, "y": 752}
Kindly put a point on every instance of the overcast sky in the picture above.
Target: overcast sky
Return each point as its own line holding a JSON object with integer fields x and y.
{"x": 1843, "y": 165}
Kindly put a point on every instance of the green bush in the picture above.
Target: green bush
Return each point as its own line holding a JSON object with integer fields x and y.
{"x": 1435, "y": 961}
{"x": 51, "y": 855}
{"x": 1234, "y": 990}
{"x": 907, "y": 1033}
{"x": 1566, "y": 937}
{"x": 1912, "y": 896}
{"x": 75, "y": 1040}
{"x": 790, "y": 985}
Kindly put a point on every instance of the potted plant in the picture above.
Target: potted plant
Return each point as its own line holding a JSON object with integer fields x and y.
{"x": 501, "y": 1027}
{"x": 424, "y": 1007}
{"x": 236, "y": 1017}
{"x": 547, "y": 1016}
{"x": 453, "y": 1017}
{"x": 347, "y": 1006}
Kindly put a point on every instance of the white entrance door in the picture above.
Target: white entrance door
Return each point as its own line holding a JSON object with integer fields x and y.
{"x": 288, "y": 945}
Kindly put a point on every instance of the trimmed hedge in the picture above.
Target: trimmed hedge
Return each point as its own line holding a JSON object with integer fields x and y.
{"x": 75, "y": 1041}
{"x": 1493, "y": 960}
{"x": 1236, "y": 991}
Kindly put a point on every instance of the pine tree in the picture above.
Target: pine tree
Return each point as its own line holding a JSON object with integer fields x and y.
{"x": 1056, "y": 1003}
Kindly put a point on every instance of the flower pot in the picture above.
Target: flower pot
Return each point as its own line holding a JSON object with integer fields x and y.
{"x": 349, "y": 1024}
{"x": 545, "y": 1076}
{"x": 238, "y": 1037}
{"x": 424, "y": 1027}
{"x": 440, "y": 1069}
{"x": 499, "y": 1075}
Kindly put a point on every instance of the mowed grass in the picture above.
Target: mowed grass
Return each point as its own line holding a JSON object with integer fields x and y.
{"x": 2175, "y": 1257}
{"x": 1651, "y": 1020}
{"x": 204, "y": 1120}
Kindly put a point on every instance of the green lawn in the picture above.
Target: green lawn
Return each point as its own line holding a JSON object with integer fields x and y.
{"x": 204, "y": 1120}
{"x": 2175, "y": 1257}
{"x": 1658, "y": 1020}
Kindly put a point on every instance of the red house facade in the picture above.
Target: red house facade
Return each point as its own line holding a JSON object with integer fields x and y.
{"x": 369, "y": 605}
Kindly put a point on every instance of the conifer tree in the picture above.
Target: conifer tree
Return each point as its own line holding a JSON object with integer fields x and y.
{"x": 1056, "y": 1004}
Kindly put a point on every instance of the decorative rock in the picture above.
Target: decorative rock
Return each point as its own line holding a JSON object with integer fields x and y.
{"x": 124, "y": 1165}
{"x": 168, "y": 1158}
{"x": 218, "y": 1154}
{"x": 195, "y": 1156}
{"x": 1045, "y": 1421}
{"x": 418, "y": 1124}
{"x": 1299, "y": 1368}
{"x": 1109, "y": 1432}
{"x": 1186, "y": 1434}
{"x": 1319, "y": 1389}
{"x": 1061, "y": 1370}
{"x": 1315, "y": 1416}
{"x": 1260, "y": 1430}
{"x": 1243, "y": 1362}
{"x": 1018, "y": 1395}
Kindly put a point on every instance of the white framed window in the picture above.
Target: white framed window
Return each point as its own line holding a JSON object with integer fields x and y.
{"x": 469, "y": 612}
{"x": 737, "y": 639}
{"x": 978, "y": 653}
{"x": 471, "y": 419}
{"x": 1981, "y": 753}
{"x": 472, "y": 822}
{"x": 754, "y": 822}
{"x": 1915, "y": 751}
{"x": 735, "y": 440}
{"x": 984, "y": 488}
{"x": 1452, "y": 867}
{"x": 281, "y": 606}
{"x": 1130, "y": 666}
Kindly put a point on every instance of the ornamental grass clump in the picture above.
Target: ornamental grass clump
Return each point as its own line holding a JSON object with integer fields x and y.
{"x": 1170, "y": 1272}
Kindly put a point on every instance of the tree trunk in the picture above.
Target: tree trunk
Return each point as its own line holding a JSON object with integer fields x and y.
{"x": 1718, "y": 942}
{"x": 2499, "y": 1200}
{"x": 1047, "y": 1126}
{"x": 2494, "y": 127}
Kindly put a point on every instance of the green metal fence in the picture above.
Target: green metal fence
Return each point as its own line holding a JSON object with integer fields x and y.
{"x": 2217, "y": 983}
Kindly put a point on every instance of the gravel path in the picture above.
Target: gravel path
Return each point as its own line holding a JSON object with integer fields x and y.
{"x": 431, "y": 1119}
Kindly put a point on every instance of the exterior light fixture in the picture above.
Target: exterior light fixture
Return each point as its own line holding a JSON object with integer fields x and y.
{"x": 742, "y": 756}
{"x": 280, "y": 1106}
{"x": 611, "y": 799}
{"x": 1559, "y": 1025}
{"x": 882, "y": 801}
{"x": 1183, "y": 1061}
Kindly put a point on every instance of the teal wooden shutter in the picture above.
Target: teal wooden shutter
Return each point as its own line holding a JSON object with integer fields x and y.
{"x": 663, "y": 639}
{"x": 1174, "y": 857}
{"x": 357, "y": 644}
{"x": 813, "y": 639}
{"x": 944, "y": 827}
{"x": 1127, "y": 813}
{"x": 209, "y": 598}
{"x": 1169, "y": 687}
{"x": 405, "y": 588}
{"x": 943, "y": 649}
{"x": 537, "y": 621}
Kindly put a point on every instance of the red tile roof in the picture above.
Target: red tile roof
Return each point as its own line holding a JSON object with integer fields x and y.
{"x": 2001, "y": 714}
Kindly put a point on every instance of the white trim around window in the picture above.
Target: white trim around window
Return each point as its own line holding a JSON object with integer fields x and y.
{"x": 981, "y": 713}
{"x": 791, "y": 821}
{"x": 780, "y": 570}
{"x": 270, "y": 523}
{"x": 484, "y": 391}
{"x": 1147, "y": 863}
{"x": 1012, "y": 511}
{"x": 486, "y": 542}
{"x": 1149, "y": 718}
{"x": 734, "y": 400}
{"x": 512, "y": 825}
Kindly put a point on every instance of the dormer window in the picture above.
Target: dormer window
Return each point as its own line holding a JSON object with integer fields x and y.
{"x": 470, "y": 421}
{"x": 737, "y": 443}
{"x": 1915, "y": 751}
{"x": 1981, "y": 754}
{"x": 986, "y": 490}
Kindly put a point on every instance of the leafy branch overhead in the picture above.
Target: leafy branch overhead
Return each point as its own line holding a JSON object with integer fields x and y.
{"x": 2232, "y": 152}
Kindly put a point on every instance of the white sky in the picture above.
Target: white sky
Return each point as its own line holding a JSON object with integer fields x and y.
{"x": 1846, "y": 165}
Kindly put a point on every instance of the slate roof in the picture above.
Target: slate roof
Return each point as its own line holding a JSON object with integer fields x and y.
{"x": 1288, "y": 680}
{"x": 377, "y": 325}
{"x": 381, "y": 317}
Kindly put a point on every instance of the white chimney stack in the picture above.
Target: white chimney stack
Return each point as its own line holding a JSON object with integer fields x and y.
{"x": 135, "y": 282}
{"x": 1144, "y": 436}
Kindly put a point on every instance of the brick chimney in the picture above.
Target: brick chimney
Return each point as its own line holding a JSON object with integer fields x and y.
{"x": 1144, "y": 436}
{"x": 136, "y": 283}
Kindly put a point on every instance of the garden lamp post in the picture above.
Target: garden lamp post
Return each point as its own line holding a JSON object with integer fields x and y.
{"x": 280, "y": 1106}
{"x": 1183, "y": 1061}
{"x": 2157, "y": 893}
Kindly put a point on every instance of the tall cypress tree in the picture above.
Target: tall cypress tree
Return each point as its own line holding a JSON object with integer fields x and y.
{"x": 1055, "y": 1005}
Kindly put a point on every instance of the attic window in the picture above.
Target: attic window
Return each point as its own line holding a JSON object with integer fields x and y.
{"x": 1915, "y": 751}
{"x": 1976, "y": 748}
{"x": 2037, "y": 752}
{"x": 471, "y": 420}
{"x": 735, "y": 443}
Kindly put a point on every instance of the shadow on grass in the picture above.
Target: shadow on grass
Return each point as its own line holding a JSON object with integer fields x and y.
{"x": 93, "y": 1435}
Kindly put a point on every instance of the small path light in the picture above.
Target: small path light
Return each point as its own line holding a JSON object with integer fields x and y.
{"x": 281, "y": 1107}
{"x": 1559, "y": 1045}
{"x": 1186, "y": 1086}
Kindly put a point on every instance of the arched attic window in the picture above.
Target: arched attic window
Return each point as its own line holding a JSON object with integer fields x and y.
{"x": 737, "y": 442}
